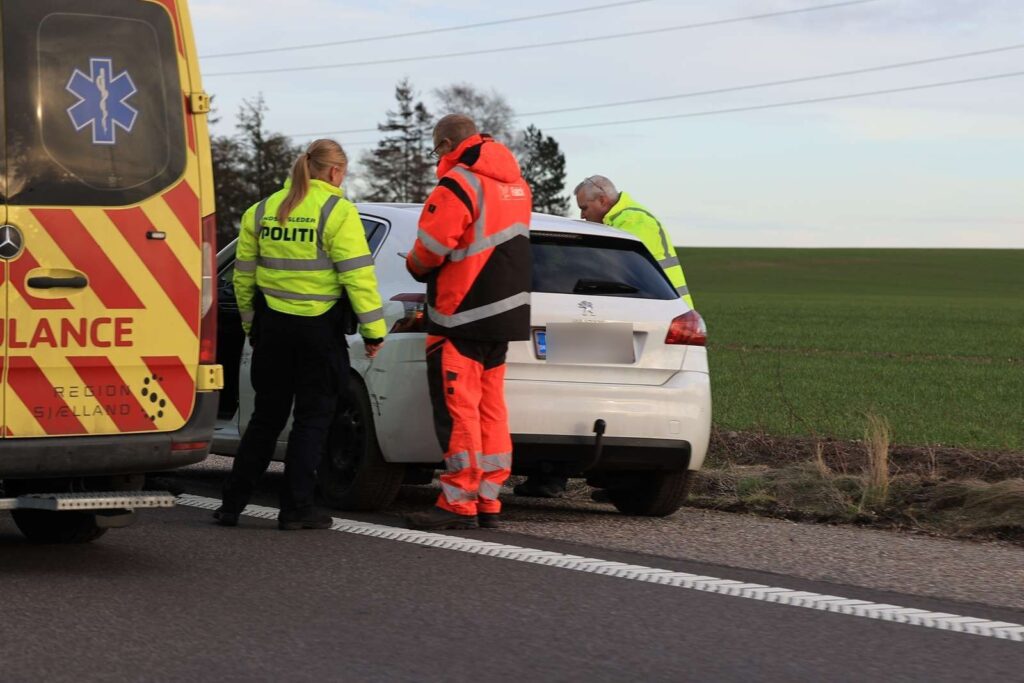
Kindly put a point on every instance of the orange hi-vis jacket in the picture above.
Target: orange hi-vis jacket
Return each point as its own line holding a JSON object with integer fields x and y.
{"x": 473, "y": 247}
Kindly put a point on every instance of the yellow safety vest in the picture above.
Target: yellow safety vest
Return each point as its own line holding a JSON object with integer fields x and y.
{"x": 627, "y": 215}
{"x": 303, "y": 267}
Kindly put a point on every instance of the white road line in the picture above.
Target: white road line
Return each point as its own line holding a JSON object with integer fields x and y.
{"x": 752, "y": 591}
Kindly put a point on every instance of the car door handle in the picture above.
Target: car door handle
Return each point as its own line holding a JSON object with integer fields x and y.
{"x": 46, "y": 282}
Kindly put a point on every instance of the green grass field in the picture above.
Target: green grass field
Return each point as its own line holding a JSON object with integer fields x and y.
{"x": 806, "y": 341}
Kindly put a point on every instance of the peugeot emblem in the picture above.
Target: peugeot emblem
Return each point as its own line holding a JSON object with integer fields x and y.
{"x": 11, "y": 242}
{"x": 587, "y": 308}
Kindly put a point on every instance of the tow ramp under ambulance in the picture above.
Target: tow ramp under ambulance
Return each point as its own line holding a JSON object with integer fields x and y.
{"x": 107, "y": 242}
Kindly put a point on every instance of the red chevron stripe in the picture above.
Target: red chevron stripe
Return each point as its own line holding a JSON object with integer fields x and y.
{"x": 183, "y": 201}
{"x": 161, "y": 262}
{"x": 97, "y": 371}
{"x": 190, "y": 125}
{"x": 37, "y": 394}
{"x": 65, "y": 228}
{"x": 19, "y": 272}
{"x": 175, "y": 379}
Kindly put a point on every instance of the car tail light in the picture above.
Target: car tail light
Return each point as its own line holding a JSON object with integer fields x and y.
{"x": 414, "y": 319}
{"x": 208, "y": 325}
{"x": 689, "y": 329}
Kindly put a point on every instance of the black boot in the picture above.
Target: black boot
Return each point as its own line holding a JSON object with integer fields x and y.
{"x": 439, "y": 518}
{"x": 489, "y": 520}
{"x": 225, "y": 517}
{"x": 309, "y": 520}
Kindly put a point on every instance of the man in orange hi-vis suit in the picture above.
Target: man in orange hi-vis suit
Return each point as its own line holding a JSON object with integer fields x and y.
{"x": 473, "y": 251}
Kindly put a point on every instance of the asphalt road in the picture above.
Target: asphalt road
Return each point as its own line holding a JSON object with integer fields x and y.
{"x": 177, "y": 598}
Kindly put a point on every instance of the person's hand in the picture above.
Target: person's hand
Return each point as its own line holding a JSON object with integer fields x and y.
{"x": 372, "y": 346}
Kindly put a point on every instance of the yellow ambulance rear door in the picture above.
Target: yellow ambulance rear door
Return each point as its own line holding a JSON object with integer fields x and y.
{"x": 103, "y": 302}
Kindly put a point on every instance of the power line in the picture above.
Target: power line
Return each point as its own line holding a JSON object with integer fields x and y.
{"x": 736, "y": 88}
{"x": 534, "y": 46}
{"x": 791, "y": 103}
{"x": 425, "y": 32}
{"x": 787, "y": 81}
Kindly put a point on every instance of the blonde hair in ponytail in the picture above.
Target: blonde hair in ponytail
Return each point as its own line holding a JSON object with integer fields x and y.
{"x": 315, "y": 162}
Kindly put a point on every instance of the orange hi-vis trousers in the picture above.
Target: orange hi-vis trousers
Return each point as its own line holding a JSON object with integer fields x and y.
{"x": 467, "y": 391}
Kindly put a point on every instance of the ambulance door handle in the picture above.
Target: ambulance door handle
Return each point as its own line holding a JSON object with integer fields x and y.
{"x": 45, "y": 282}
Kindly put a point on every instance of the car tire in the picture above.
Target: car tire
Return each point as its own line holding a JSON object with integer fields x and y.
{"x": 651, "y": 494}
{"x": 353, "y": 474}
{"x": 43, "y": 526}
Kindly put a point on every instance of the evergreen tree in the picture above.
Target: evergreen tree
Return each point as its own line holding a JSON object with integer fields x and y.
{"x": 248, "y": 166}
{"x": 400, "y": 169}
{"x": 543, "y": 166}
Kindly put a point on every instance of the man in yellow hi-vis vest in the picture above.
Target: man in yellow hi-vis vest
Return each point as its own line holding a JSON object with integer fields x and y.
{"x": 300, "y": 250}
{"x": 600, "y": 202}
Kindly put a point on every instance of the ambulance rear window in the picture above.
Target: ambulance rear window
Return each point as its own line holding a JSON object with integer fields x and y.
{"x": 93, "y": 102}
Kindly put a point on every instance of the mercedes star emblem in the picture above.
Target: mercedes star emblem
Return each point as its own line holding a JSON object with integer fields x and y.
{"x": 11, "y": 242}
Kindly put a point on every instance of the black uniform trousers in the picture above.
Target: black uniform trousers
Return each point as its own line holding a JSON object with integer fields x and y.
{"x": 301, "y": 360}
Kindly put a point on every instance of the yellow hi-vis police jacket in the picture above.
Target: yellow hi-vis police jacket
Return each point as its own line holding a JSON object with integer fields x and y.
{"x": 303, "y": 267}
{"x": 627, "y": 215}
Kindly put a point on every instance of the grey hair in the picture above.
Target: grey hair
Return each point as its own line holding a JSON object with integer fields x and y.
{"x": 597, "y": 184}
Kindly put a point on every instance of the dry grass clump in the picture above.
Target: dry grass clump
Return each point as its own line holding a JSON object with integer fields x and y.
{"x": 876, "y": 439}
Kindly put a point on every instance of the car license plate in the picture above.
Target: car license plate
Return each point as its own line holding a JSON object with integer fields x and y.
{"x": 586, "y": 344}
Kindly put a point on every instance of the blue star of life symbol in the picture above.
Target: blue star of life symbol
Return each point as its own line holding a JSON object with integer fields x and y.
{"x": 102, "y": 101}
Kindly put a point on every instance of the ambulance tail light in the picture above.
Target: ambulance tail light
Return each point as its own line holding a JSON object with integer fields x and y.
{"x": 688, "y": 329}
{"x": 414, "y": 319}
{"x": 208, "y": 325}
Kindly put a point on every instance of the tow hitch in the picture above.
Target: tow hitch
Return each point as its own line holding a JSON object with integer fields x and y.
{"x": 599, "y": 427}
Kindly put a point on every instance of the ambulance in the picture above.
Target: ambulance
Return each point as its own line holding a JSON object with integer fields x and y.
{"x": 107, "y": 255}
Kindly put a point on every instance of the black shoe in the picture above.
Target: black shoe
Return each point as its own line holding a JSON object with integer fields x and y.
{"x": 225, "y": 518}
{"x": 311, "y": 521}
{"x": 489, "y": 520}
{"x": 600, "y": 496}
{"x": 439, "y": 518}
{"x": 541, "y": 487}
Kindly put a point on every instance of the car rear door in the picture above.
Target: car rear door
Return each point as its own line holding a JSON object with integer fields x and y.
{"x": 612, "y": 306}
{"x": 103, "y": 304}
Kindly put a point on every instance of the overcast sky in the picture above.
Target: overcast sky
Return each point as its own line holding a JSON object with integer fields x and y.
{"x": 939, "y": 167}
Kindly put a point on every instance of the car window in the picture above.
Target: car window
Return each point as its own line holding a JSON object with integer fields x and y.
{"x": 95, "y": 114}
{"x": 605, "y": 266}
{"x": 375, "y": 232}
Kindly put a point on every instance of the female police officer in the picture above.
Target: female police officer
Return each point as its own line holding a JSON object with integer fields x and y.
{"x": 300, "y": 250}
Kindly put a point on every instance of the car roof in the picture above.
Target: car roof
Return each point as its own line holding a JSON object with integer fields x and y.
{"x": 539, "y": 221}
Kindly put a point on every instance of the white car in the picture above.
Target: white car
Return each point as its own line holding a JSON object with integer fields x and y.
{"x": 613, "y": 385}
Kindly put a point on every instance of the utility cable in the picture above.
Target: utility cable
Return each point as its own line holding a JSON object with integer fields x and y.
{"x": 767, "y": 84}
{"x": 426, "y": 32}
{"x": 534, "y": 46}
{"x": 737, "y": 88}
{"x": 791, "y": 103}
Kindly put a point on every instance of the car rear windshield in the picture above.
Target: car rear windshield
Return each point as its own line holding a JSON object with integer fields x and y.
{"x": 598, "y": 266}
{"x": 93, "y": 102}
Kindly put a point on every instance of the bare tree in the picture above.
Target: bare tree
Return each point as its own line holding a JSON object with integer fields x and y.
{"x": 490, "y": 110}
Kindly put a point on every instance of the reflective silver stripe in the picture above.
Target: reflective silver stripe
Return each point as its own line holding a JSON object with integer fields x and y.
{"x": 245, "y": 266}
{"x": 664, "y": 239}
{"x": 481, "y": 205}
{"x": 455, "y": 494}
{"x": 496, "y": 462}
{"x": 683, "y": 291}
{"x": 261, "y": 209}
{"x": 474, "y": 314}
{"x": 661, "y": 230}
{"x": 500, "y": 237}
{"x": 247, "y": 316}
{"x": 457, "y": 461}
{"x": 325, "y": 213}
{"x": 353, "y": 263}
{"x": 301, "y": 264}
{"x": 432, "y": 245}
{"x": 281, "y": 294}
{"x": 371, "y": 316}
{"x": 668, "y": 263}
{"x": 488, "y": 489}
